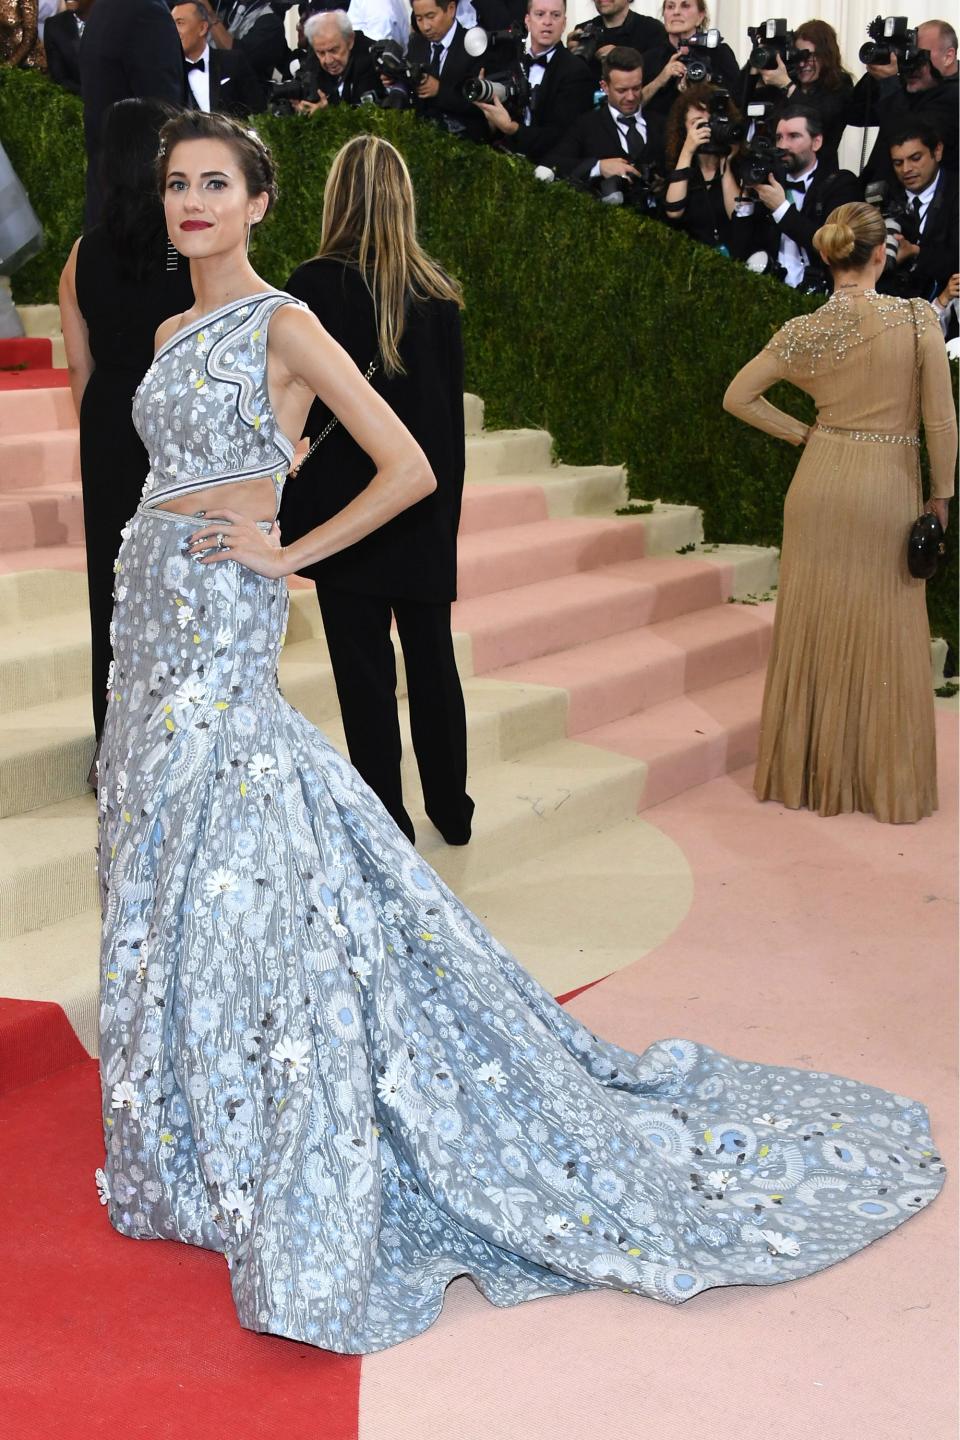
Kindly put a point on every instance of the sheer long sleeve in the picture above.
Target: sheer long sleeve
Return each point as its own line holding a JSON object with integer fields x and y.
{"x": 744, "y": 398}
{"x": 937, "y": 407}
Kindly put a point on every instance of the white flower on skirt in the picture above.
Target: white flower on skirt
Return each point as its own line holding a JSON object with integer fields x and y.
{"x": 491, "y": 1073}
{"x": 775, "y": 1122}
{"x": 103, "y": 1186}
{"x": 262, "y": 767}
{"x": 192, "y": 692}
{"x": 236, "y": 1207}
{"x": 335, "y": 923}
{"x": 125, "y": 1097}
{"x": 292, "y": 1056}
{"x": 722, "y": 1180}
{"x": 184, "y": 615}
{"x": 218, "y": 882}
{"x": 779, "y": 1244}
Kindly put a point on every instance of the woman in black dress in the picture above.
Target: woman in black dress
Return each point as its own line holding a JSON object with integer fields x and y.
{"x": 665, "y": 66}
{"x": 701, "y": 186}
{"x": 398, "y": 316}
{"x": 818, "y": 79}
{"x": 121, "y": 281}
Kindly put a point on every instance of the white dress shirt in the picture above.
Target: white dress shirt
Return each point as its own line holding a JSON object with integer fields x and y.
{"x": 792, "y": 256}
{"x": 535, "y": 73}
{"x": 446, "y": 42}
{"x": 623, "y": 131}
{"x": 925, "y": 197}
{"x": 199, "y": 81}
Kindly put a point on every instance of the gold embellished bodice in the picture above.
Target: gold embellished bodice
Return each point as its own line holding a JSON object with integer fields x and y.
{"x": 857, "y": 356}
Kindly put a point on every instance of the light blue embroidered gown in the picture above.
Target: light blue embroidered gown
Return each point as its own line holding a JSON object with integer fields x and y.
{"x": 318, "y": 1062}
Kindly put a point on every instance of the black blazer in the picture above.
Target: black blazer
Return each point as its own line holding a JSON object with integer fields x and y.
{"x": 129, "y": 48}
{"x": 887, "y": 104}
{"x": 449, "y": 102}
{"x": 830, "y": 105}
{"x": 61, "y": 40}
{"x": 359, "y": 78}
{"x": 760, "y": 231}
{"x": 234, "y": 88}
{"x": 595, "y": 137}
{"x": 413, "y": 557}
{"x": 638, "y": 32}
{"x": 563, "y": 95}
{"x": 927, "y": 274}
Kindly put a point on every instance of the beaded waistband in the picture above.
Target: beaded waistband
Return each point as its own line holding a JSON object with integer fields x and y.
{"x": 878, "y": 437}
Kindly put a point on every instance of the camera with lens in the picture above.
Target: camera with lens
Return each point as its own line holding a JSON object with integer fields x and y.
{"x": 699, "y": 58}
{"x": 286, "y": 92}
{"x": 891, "y": 36}
{"x": 404, "y": 76}
{"x": 586, "y": 41}
{"x": 895, "y": 214}
{"x": 725, "y": 130}
{"x": 640, "y": 192}
{"x": 509, "y": 84}
{"x": 771, "y": 40}
{"x": 761, "y": 158}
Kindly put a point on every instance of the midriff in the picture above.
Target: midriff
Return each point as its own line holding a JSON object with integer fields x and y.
{"x": 256, "y": 499}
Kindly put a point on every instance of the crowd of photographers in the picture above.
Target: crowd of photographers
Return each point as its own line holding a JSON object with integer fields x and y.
{"x": 653, "y": 114}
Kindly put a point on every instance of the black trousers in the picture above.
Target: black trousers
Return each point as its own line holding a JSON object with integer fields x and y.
{"x": 364, "y": 668}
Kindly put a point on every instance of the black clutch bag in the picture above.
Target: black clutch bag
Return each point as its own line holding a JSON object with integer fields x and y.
{"x": 925, "y": 547}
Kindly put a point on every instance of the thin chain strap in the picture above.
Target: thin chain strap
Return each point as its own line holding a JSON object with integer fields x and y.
{"x": 331, "y": 425}
{"x": 916, "y": 401}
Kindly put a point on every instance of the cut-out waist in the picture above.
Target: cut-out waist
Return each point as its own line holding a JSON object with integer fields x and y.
{"x": 241, "y": 486}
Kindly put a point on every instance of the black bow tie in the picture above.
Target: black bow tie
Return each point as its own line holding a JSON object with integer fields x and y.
{"x": 531, "y": 60}
{"x": 800, "y": 185}
{"x": 200, "y": 64}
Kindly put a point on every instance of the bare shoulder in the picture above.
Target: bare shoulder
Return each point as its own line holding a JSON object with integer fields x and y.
{"x": 292, "y": 326}
{"x": 168, "y": 329}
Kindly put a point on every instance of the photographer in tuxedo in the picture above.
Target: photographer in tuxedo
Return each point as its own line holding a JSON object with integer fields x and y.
{"x": 784, "y": 217}
{"x": 561, "y": 86}
{"x": 923, "y": 199}
{"x": 344, "y": 72}
{"x": 436, "y": 43}
{"x": 254, "y": 27}
{"x": 610, "y": 142}
{"x": 218, "y": 80}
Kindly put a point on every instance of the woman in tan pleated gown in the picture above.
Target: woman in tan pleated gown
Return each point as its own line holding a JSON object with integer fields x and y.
{"x": 848, "y": 708}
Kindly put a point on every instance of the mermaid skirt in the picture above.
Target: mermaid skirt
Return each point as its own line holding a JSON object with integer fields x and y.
{"x": 316, "y": 1061}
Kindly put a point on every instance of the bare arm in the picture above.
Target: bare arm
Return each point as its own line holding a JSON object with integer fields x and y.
{"x": 305, "y": 362}
{"x": 76, "y": 338}
{"x": 744, "y": 398}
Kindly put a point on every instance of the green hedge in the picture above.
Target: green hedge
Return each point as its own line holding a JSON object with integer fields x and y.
{"x": 615, "y": 334}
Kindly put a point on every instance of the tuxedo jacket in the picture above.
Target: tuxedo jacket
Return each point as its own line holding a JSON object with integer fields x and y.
{"x": 594, "y": 137}
{"x": 638, "y": 32}
{"x": 927, "y": 274}
{"x": 458, "y": 67}
{"x": 414, "y": 556}
{"x": 759, "y": 231}
{"x": 61, "y": 40}
{"x": 563, "y": 95}
{"x": 130, "y": 48}
{"x": 234, "y": 88}
{"x": 359, "y": 78}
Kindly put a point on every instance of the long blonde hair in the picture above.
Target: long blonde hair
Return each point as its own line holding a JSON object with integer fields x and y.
{"x": 369, "y": 219}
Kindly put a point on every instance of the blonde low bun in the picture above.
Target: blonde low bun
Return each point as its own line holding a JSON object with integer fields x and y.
{"x": 849, "y": 235}
{"x": 836, "y": 242}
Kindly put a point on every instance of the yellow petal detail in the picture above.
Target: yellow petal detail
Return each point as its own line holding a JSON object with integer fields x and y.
{"x": 440, "y": 972}
{"x": 708, "y": 1136}
{"x": 764, "y": 1150}
{"x": 222, "y": 705}
{"x": 112, "y": 974}
{"x": 169, "y": 723}
{"x": 634, "y": 1251}
{"x": 243, "y": 787}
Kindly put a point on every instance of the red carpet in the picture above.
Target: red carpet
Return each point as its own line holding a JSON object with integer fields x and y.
{"x": 26, "y": 363}
{"x": 104, "y": 1336}
{"x": 33, "y": 379}
{"x": 36, "y": 1039}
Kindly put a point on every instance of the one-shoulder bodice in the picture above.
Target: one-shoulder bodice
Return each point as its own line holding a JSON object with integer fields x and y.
{"x": 202, "y": 410}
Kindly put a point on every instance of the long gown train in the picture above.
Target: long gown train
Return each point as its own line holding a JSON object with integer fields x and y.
{"x": 315, "y": 1059}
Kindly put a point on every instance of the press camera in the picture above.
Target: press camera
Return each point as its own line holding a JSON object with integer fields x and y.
{"x": 772, "y": 40}
{"x": 891, "y": 36}
{"x": 509, "y": 84}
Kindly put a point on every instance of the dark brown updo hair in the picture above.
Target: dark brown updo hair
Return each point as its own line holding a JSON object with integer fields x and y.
{"x": 253, "y": 157}
{"x": 849, "y": 235}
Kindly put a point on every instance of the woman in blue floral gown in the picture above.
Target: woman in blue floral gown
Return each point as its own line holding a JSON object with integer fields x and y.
{"x": 314, "y": 1058}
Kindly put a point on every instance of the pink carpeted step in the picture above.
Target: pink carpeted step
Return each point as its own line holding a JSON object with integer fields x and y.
{"x": 33, "y": 352}
{"x": 40, "y": 379}
{"x": 52, "y": 515}
{"x": 47, "y": 557}
{"x": 493, "y": 507}
{"x": 691, "y": 739}
{"x": 551, "y": 615}
{"x": 617, "y": 675}
{"x": 22, "y": 412}
{"x": 498, "y": 560}
{"x": 48, "y": 457}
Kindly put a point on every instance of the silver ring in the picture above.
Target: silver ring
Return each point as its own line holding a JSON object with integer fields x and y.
{"x": 221, "y": 541}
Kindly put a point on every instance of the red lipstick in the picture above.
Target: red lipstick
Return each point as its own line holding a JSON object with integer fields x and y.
{"x": 195, "y": 225}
